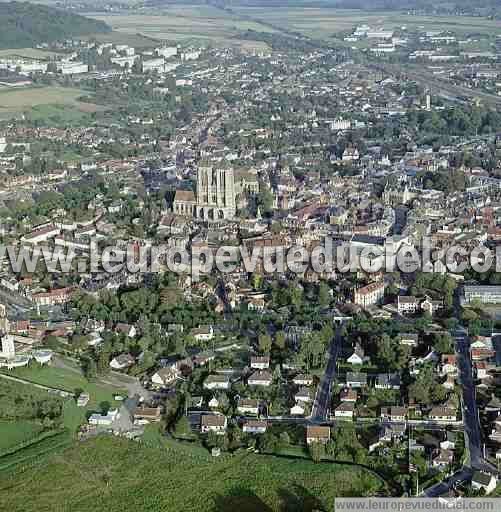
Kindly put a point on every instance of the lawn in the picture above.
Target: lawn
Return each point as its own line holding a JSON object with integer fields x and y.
{"x": 13, "y": 433}
{"x": 126, "y": 475}
{"x": 33, "y": 100}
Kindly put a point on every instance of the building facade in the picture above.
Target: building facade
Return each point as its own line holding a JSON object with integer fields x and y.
{"x": 215, "y": 196}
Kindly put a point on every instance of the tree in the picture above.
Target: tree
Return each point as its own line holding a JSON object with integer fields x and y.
{"x": 317, "y": 451}
{"x": 280, "y": 340}
{"x": 443, "y": 343}
{"x": 264, "y": 342}
{"x": 324, "y": 295}
{"x": 182, "y": 427}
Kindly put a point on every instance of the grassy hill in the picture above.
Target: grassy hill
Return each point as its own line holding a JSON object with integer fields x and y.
{"x": 26, "y": 25}
{"x": 116, "y": 475}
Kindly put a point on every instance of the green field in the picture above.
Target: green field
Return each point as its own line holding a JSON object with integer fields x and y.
{"x": 14, "y": 433}
{"x": 30, "y": 100}
{"x": 185, "y": 24}
{"x": 123, "y": 475}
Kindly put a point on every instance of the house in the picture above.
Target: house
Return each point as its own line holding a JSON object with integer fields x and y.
{"x": 481, "y": 348}
{"x": 483, "y": 369}
{"x": 369, "y": 295}
{"x": 357, "y": 357}
{"x": 388, "y": 381}
{"x": 409, "y": 339}
{"x": 104, "y": 420}
{"x": 254, "y": 427}
{"x": 248, "y": 406}
{"x": 356, "y": 380}
{"x": 303, "y": 380}
{"x": 165, "y": 377}
{"x": 443, "y": 459}
{"x": 448, "y": 364}
{"x": 486, "y": 294}
{"x": 217, "y": 382}
{"x": 387, "y": 434}
{"x": 213, "y": 423}
{"x": 213, "y": 403}
{"x": 147, "y": 414}
{"x": 60, "y": 296}
{"x": 122, "y": 362}
{"x": 397, "y": 414}
{"x": 260, "y": 362}
{"x": 128, "y": 330}
{"x": 348, "y": 395}
{"x": 203, "y": 333}
{"x": 303, "y": 395}
{"x": 350, "y": 154}
{"x": 494, "y": 404}
{"x": 442, "y": 414}
{"x": 449, "y": 443}
{"x": 297, "y": 410}
{"x": 345, "y": 410}
{"x": 407, "y": 305}
{"x": 260, "y": 378}
{"x": 485, "y": 481}
{"x": 203, "y": 358}
{"x": 316, "y": 434}
{"x": 83, "y": 399}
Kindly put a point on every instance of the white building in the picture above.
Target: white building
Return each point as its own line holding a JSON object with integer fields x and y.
{"x": 72, "y": 68}
{"x": 166, "y": 51}
{"x": 104, "y": 420}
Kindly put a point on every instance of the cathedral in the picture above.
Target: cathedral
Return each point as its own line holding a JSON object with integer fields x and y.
{"x": 215, "y": 195}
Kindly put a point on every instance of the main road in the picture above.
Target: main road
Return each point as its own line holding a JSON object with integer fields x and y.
{"x": 322, "y": 400}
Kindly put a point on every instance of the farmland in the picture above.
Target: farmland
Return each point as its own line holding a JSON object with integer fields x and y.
{"x": 185, "y": 24}
{"x": 124, "y": 475}
{"x": 29, "y": 53}
{"x": 16, "y": 102}
{"x": 206, "y": 23}
{"x": 13, "y": 433}
{"x": 325, "y": 22}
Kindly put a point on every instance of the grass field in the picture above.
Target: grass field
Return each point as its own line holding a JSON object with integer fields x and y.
{"x": 13, "y": 433}
{"x": 69, "y": 381}
{"x": 44, "y": 103}
{"x": 185, "y": 24}
{"x": 123, "y": 475}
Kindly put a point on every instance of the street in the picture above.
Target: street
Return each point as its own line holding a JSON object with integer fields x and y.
{"x": 321, "y": 404}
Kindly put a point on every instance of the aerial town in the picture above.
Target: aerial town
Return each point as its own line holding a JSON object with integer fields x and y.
{"x": 376, "y": 376}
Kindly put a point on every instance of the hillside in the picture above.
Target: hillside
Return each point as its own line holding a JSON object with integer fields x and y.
{"x": 121, "y": 475}
{"x": 26, "y": 25}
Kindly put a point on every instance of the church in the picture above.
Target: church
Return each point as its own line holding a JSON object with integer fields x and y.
{"x": 215, "y": 195}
